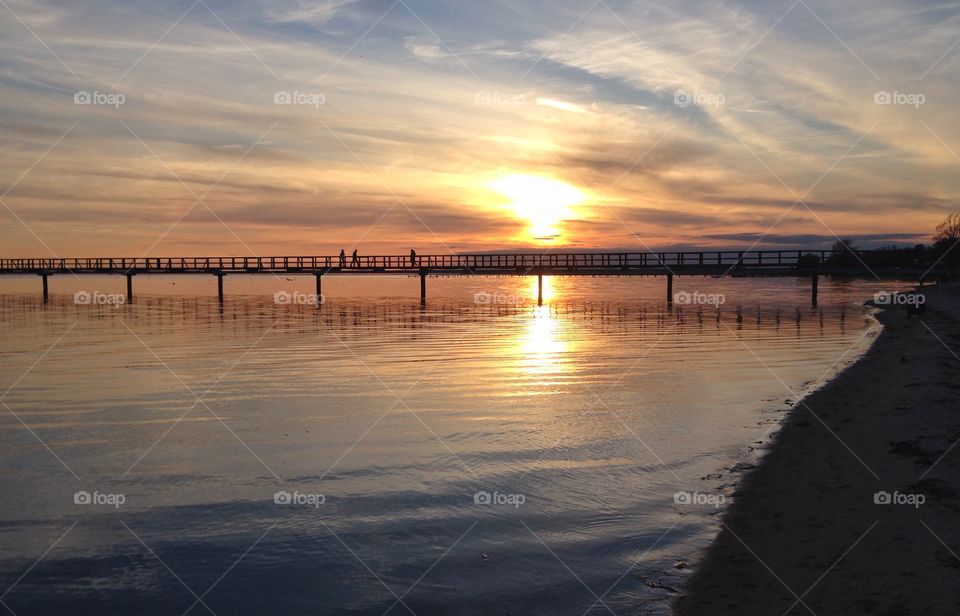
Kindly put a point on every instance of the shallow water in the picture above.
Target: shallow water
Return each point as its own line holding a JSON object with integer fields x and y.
{"x": 583, "y": 417}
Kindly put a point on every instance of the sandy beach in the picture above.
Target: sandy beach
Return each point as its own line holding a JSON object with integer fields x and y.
{"x": 804, "y": 533}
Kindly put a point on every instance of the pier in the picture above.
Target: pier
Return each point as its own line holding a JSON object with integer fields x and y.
{"x": 803, "y": 263}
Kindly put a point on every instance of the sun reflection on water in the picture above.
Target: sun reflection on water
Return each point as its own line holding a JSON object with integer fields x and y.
{"x": 548, "y": 289}
{"x": 543, "y": 349}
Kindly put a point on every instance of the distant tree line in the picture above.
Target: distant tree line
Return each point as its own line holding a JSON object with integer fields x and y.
{"x": 943, "y": 249}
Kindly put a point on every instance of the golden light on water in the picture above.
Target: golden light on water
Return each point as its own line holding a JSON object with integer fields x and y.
{"x": 544, "y": 202}
{"x": 548, "y": 290}
{"x": 542, "y": 349}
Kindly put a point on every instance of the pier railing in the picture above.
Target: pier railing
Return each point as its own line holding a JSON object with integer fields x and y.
{"x": 472, "y": 263}
{"x": 811, "y": 263}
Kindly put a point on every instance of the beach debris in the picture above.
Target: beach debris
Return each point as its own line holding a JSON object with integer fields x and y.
{"x": 656, "y": 584}
{"x": 681, "y": 564}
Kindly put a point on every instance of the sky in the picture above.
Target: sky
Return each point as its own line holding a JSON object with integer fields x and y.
{"x": 215, "y": 127}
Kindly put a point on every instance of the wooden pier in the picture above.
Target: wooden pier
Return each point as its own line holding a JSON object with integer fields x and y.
{"x": 806, "y": 263}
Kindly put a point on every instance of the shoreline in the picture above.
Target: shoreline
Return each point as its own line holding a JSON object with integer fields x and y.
{"x": 803, "y": 533}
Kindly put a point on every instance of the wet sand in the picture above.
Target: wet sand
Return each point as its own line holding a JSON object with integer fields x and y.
{"x": 804, "y": 534}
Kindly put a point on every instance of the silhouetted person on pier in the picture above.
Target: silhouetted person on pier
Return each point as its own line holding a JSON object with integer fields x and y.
{"x": 413, "y": 258}
{"x": 343, "y": 258}
{"x": 356, "y": 259}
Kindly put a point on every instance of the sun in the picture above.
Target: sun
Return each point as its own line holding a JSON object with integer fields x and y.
{"x": 543, "y": 201}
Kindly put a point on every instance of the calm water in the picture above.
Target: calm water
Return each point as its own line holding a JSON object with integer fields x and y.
{"x": 582, "y": 420}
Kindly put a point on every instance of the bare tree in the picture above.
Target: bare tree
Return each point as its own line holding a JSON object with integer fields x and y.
{"x": 948, "y": 232}
{"x": 945, "y": 241}
{"x": 842, "y": 246}
{"x": 843, "y": 252}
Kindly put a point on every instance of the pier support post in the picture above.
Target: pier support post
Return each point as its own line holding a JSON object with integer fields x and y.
{"x": 813, "y": 290}
{"x": 46, "y": 295}
{"x": 129, "y": 288}
{"x": 319, "y": 290}
{"x": 220, "y": 287}
{"x": 670, "y": 289}
{"x": 539, "y": 289}
{"x": 423, "y": 287}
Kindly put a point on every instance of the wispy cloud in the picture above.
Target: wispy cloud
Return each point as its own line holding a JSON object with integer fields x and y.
{"x": 678, "y": 121}
{"x": 313, "y": 12}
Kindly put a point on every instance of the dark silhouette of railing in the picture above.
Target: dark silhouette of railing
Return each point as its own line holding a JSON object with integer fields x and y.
{"x": 716, "y": 263}
{"x": 612, "y": 262}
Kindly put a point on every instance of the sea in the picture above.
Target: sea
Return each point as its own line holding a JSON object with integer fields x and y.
{"x": 363, "y": 453}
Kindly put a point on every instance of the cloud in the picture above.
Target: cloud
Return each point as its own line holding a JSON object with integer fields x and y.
{"x": 313, "y": 12}
{"x": 426, "y": 50}
{"x": 561, "y": 105}
{"x": 773, "y": 114}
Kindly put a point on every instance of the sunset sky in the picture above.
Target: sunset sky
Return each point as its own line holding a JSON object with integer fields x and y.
{"x": 297, "y": 127}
